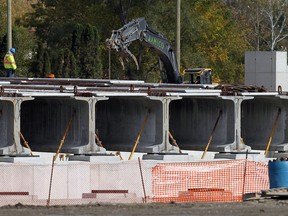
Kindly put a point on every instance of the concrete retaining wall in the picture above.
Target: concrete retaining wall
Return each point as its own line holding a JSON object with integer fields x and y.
{"x": 70, "y": 180}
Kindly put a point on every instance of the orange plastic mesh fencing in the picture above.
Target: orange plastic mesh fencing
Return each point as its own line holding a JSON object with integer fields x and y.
{"x": 217, "y": 181}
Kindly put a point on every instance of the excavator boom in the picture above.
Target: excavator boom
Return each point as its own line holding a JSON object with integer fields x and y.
{"x": 138, "y": 30}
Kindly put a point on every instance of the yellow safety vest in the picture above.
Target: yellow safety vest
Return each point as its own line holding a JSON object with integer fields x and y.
{"x": 9, "y": 62}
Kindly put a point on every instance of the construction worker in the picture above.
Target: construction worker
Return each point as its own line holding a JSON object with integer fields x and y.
{"x": 9, "y": 63}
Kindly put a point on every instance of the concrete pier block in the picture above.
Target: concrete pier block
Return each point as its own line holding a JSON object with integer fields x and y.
{"x": 169, "y": 157}
{"x": 94, "y": 158}
{"x": 254, "y": 156}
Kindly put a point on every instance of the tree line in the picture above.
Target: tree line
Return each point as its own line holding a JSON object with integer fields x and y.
{"x": 67, "y": 38}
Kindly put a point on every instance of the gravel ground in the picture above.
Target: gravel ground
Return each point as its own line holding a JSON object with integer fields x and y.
{"x": 267, "y": 207}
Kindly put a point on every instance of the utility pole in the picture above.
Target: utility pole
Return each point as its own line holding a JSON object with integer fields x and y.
{"x": 9, "y": 25}
{"x": 178, "y": 34}
{"x": 109, "y": 70}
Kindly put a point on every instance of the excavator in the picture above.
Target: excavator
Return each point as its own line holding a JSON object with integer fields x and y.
{"x": 139, "y": 30}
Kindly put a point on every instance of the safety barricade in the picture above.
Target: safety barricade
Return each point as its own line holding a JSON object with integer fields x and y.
{"x": 217, "y": 181}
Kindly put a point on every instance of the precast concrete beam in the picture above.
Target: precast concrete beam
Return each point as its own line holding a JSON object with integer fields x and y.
{"x": 10, "y": 143}
{"x": 45, "y": 120}
{"x": 119, "y": 121}
{"x": 239, "y": 145}
{"x": 260, "y": 122}
{"x": 167, "y": 146}
{"x": 93, "y": 146}
{"x": 196, "y": 120}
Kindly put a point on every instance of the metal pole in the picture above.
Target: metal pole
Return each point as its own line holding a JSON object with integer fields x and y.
{"x": 272, "y": 132}
{"x": 56, "y": 155}
{"x": 9, "y": 25}
{"x": 26, "y": 144}
{"x": 174, "y": 142}
{"x": 109, "y": 70}
{"x": 138, "y": 137}
{"x": 178, "y": 34}
{"x": 211, "y": 136}
{"x": 142, "y": 180}
{"x": 244, "y": 175}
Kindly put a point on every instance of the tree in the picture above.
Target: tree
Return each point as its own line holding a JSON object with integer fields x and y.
{"x": 268, "y": 19}
{"x": 2, "y": 18}
{"x": 3, "y": 50}
{"x": 276, "y": 18}
{"x": 38, "y": 64}
{"x": 57, "y": 63}
{"x": 86, "y": 49}
{"x": 210, "y": 36}
{"x": 70, "y": 68}
{"x": 42, "y": 64}
{"x": 47, "y": 64}
{"x": 25, "y": 45}
{"x": 59, "y": 30}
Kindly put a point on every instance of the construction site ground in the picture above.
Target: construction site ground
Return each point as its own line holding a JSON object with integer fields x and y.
{"x": 263, "y": 207}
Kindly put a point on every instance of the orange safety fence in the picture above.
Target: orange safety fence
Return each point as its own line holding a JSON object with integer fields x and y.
{"x": 217, "y": 181}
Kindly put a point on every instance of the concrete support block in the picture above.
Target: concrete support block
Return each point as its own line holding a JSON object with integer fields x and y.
{"x": 254, "y": 156}
{"x": 94, "y": 158}
{"x": 166, "y": 157}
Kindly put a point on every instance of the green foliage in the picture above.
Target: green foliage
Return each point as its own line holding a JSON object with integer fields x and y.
{"x": 79, "y": 57}
{"x": 2, "y": 18}
{"x": 25, "y": 45}
{"x": 216, "y": 37}
{"x": 85, "y": 47}
{"x": 38, "y": 64}
{"x": 70, "y": 68}
{"x": 74, "y": 46}
{"x": 64, "y": 64}
{"x": 24, "y": 51}
{"x": 46, "y": 65}
{"x": 89, "y": 53}
{"x": 267, "y": 23}
{"x": 72, "y": 35}
{"x": 3, "y": 50}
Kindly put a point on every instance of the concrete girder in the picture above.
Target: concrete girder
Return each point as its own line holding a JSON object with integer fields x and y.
{"x": 192, "y": 120}
{"x": 45, "y": 119}
{"x": 10, "y": 112}
{"x": 258, "y": 119}
{"x": 119, "y": 120}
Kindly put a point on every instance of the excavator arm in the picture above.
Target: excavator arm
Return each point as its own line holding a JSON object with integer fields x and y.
{"x": 138, "y": 29}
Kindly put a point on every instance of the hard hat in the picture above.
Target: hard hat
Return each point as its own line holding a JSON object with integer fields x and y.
{"x": 13, "y": 50}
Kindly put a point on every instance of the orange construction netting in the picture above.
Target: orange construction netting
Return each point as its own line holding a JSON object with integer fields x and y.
{"x": 215, "y": 181}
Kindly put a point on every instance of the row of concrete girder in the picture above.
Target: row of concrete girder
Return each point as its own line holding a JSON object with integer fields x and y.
{"x": 162, "y": 117}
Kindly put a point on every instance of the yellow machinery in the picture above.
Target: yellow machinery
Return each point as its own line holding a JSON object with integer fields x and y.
{"x": 197, "y": 75}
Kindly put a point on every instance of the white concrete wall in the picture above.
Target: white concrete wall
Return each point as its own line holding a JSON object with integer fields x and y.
{"x": 268, "y": 69}
{"x": 72, "y": 179}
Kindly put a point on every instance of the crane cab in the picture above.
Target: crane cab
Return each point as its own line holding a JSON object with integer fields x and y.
{"x": 197, "y": 76}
